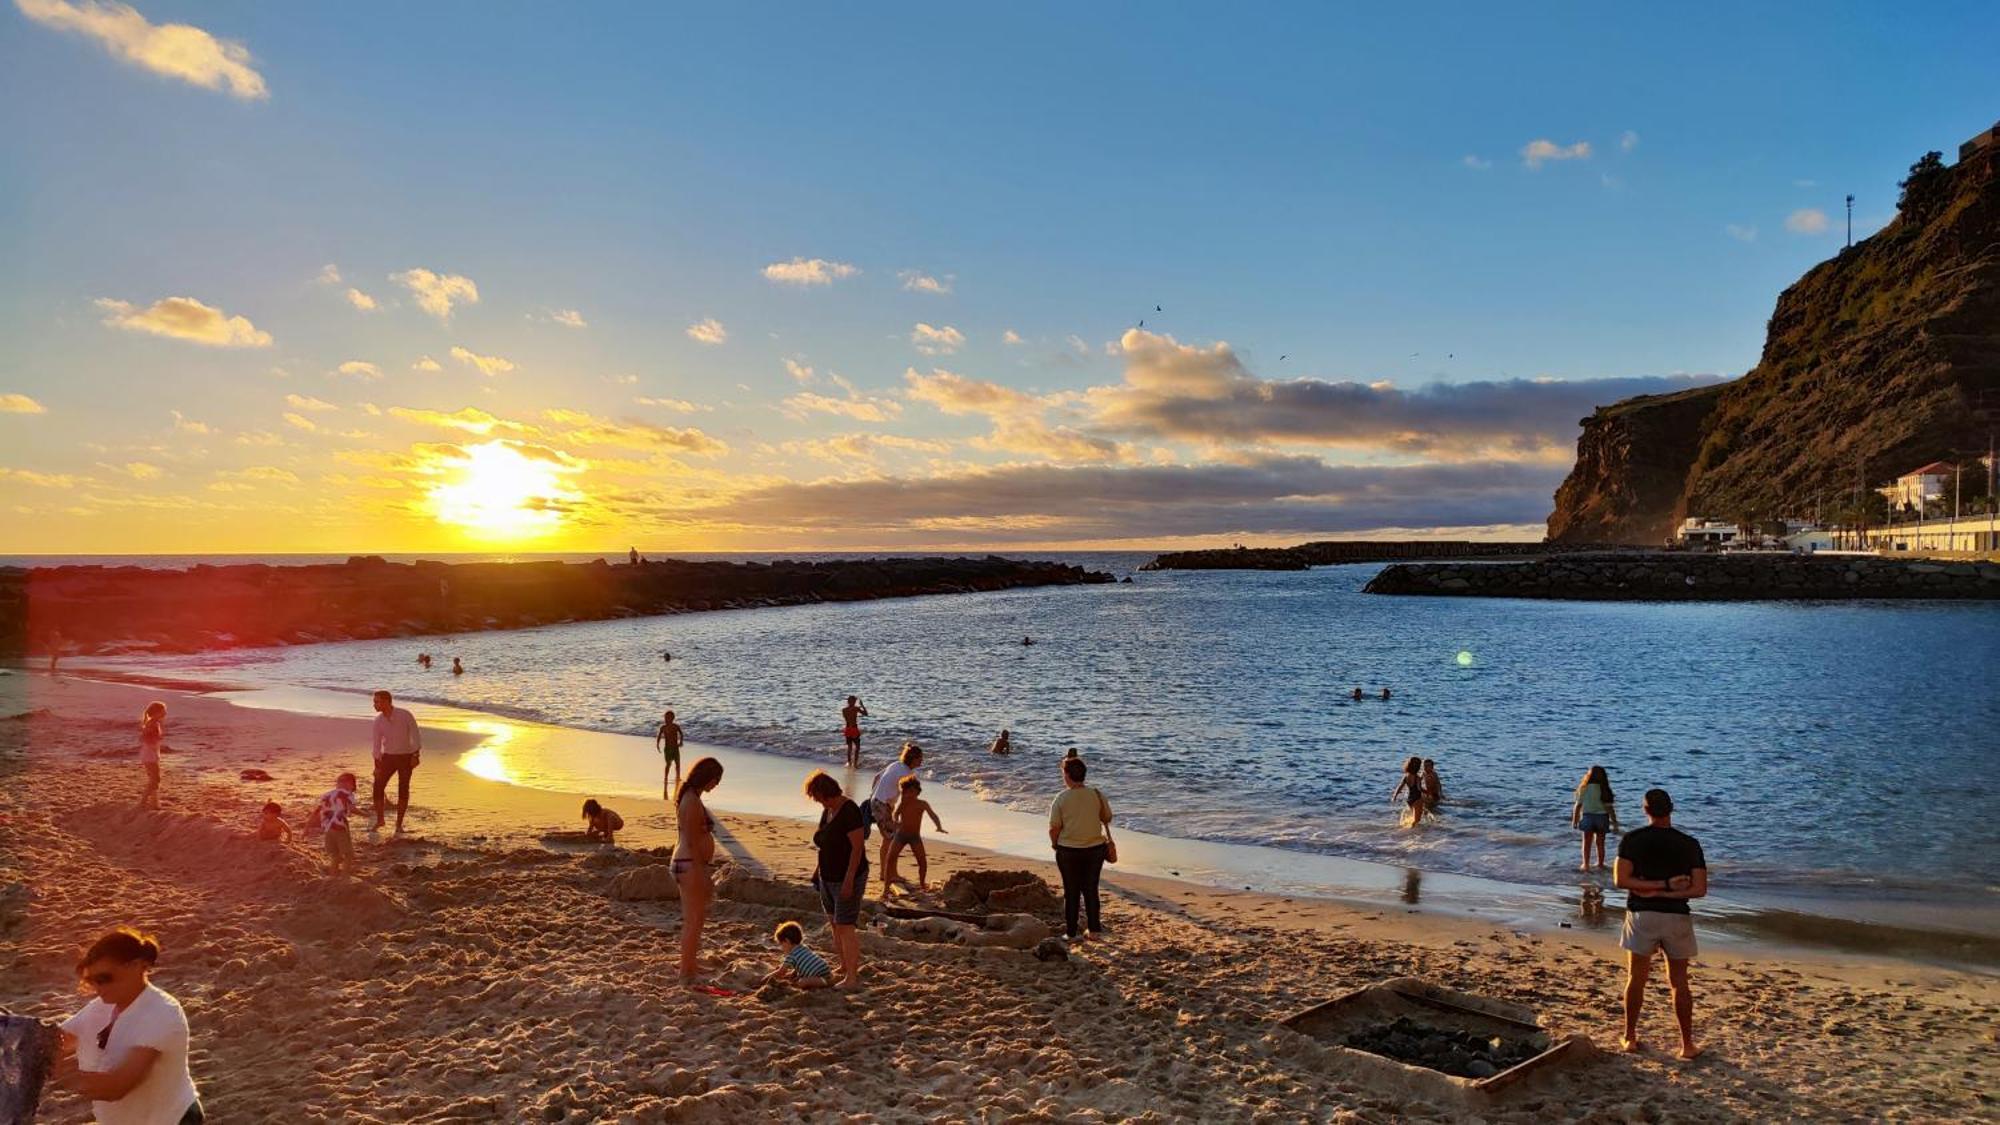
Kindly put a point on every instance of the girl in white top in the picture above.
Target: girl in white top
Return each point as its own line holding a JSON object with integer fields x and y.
{"x": 127, "y": 1050}
{"x": 152, "y": 732}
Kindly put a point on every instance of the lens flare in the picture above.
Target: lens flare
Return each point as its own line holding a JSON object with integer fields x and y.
{"x": 1464, "y": 658}
{"x": 496, "y": 491}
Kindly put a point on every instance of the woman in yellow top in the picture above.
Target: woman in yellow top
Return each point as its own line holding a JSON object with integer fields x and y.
{"x": 1080, "y": 832}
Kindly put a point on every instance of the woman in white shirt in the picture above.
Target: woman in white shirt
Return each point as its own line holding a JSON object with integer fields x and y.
{"x": 127, "y": 1050}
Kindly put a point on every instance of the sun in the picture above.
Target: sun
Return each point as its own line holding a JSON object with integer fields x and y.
{"x": 496, "y": 491}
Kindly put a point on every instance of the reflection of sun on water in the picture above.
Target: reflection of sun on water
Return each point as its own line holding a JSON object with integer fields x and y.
{"x": 489, "y": 760}
{"x": 499, "y": 491}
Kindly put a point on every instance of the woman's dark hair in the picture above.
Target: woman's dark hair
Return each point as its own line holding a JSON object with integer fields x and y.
{"x": 592, "y": 808}
{"x": 820, "y": 785}
{"x": 121, "y": 945}
{"x": 911, "y": 755}
{"x": 791, "y": 932}
{"x": 1073, "y": 769}
{"x": 704, "y": 773}
{"x": 1414, "y": 765}
{"x": 1597, "y": 774}
{"x": 1072, "y": 753}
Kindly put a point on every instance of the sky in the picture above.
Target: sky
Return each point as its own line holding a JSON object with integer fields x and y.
{"x": 475, "y": 276}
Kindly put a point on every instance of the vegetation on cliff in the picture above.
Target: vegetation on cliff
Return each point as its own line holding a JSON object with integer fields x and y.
{"x": 1877, "y": 361}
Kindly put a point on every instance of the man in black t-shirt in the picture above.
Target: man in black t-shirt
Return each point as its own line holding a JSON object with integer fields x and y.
{"x": 1661, "y": 868}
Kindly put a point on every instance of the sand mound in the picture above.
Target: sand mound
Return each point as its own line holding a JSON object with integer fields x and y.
{"x": 338, "y": 908}
{"x": 190, "y": 843}
{"x": 652, "y": 883}
{"x": 1001, "y": 892}
{"x": 1002, "y": 931}
{"x": 739, "y": 885}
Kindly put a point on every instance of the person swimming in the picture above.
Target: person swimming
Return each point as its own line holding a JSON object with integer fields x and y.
{"x": 1356, "y": 696}
{"x": 1003, "y": 744}
{"x": 1027, "y": 641}
{"x": 1385, "y": 694}
{"x": 457, "y": 669}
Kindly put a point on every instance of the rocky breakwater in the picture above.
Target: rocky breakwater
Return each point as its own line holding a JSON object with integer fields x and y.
{"x": 1335, "y": 551}
{"x": 98, "y": 609}
{"x": 1675, "y": 576}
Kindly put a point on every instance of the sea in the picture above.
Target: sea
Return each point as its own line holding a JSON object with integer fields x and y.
{"x": 1823, "y": 749}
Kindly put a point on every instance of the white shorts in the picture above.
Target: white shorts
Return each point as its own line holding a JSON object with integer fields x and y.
{"x": 1648, "y": 930}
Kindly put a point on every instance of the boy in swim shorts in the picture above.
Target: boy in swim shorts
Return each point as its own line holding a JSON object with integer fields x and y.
{"x": 668, "y": 741}
{"x": 905, "y": 829}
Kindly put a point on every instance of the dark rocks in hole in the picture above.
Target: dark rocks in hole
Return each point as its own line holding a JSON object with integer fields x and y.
{"x": 1458, "y": 1053}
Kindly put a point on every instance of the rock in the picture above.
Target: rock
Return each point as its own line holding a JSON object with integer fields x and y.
{"x": 652, "y": 883}
{"x": 1051, "y": 949}
{"x": 254, "y": 775}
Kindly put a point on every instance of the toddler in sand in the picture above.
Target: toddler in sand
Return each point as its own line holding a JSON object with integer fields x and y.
{"x": 907, "y": 821}
{"x": 273, "y": 826}
{"x": 600, "y": 823}
{"x": 335, "y": 806}
{"x": 801, "y": 966}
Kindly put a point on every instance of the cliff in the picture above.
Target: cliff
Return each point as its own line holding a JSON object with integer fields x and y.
{"x": 100, "y": 609}
{"x": 1682, "y": 576}
{"x": 1875, "y": 362}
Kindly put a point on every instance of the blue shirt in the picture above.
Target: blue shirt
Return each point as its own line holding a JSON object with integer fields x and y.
{"x": 806, "y": 963}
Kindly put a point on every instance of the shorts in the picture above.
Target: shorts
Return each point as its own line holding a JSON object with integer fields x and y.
{"x": 905, "y": 838}
{"x": 841, "y": 911}
{"x": 340, "y": 846}
{"x": 398, "y": 766}
{"x": 1648, "y": 930}
{"x": 851, "y": 734}
{"x": 1598, "y": 822}
{"x": 881, "y": 811}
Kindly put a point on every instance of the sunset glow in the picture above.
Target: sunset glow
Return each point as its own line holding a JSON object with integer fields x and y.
{"x": 497, "y": 493}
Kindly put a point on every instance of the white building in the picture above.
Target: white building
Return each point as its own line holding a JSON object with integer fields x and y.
{"x": 1919, "y": 488}
{"x": 1696, "y": 531}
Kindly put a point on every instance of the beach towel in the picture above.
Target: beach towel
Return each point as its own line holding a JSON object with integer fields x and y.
{"x": 28, "y": 1049}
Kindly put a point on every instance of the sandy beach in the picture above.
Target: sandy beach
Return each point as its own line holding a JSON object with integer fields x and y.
{"x": 473, "y": 973}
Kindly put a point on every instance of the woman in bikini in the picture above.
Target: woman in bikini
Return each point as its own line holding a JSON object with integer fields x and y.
{"x": 1411, "y": 790}
{"x": 692, "y": 852}
{"x": 152, "y": 732}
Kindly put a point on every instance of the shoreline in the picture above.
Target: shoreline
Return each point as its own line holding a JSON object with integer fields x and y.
{"x": 570, "y": 763}
{"x": 474, "y": 972}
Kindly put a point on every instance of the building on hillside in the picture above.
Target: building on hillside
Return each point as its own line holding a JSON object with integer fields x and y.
{"x": 1807, "y": 540}
{"x": 1979, "y": 143}
{"x": 1696, "y": 531}
{"x": 1916, "y": 489}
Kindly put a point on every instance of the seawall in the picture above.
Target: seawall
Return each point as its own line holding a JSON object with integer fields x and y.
{"x": 1333, "y": 551}
{"x": 99, "y": 609}
{"x": 1675, "y": 576}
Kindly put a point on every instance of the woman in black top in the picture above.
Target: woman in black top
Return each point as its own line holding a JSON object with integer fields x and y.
{"x": 842, "y": 872}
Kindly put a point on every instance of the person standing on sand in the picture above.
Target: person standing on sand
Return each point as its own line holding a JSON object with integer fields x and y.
{"x": 888, "y": 787}
{"x": 152, "y": 734}
{"x": 841, "y": 875}
{"x": 667, "y": 740}
{"x": 127, "y": 1050}
{"x": 398, "y": 747}
{"x": 1411, "y": 791}
{"x": 1594, "y": 812}
{"x": 693, "y": 849}
{"x": 1660, "y": 868}
{"x": 850, "y": 729}
{"x": 1080, "y": 832}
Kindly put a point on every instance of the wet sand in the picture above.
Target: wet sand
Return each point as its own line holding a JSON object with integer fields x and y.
{"x": 474, "y": 974}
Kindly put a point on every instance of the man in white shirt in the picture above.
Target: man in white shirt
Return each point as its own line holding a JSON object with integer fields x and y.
{"x": 398, "y": 745}
{"x": 889, "y": 786}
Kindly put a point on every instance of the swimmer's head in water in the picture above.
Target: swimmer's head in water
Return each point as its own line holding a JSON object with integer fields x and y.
{"x": 592, "y": 808}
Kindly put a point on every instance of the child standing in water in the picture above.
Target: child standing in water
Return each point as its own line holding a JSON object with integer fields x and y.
{"x": 906, "y": 828}
{"x": 1594, "y": 813}
{"x": 1411, "y": 791}
{"x": 1433, "y": 788}
{"x": 850, "y": 729}
{"x": 152, "y": 733}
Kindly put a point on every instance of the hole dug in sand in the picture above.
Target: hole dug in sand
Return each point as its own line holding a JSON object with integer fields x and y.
{"x": 1410, "y": 1037}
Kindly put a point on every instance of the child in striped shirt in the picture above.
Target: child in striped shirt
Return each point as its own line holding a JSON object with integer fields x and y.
{"x": 801, "y": 966}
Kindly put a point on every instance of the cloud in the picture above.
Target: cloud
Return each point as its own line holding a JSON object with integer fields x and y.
{"x": 587, "y": 429}
{"x": 1807, "y": 220}
{"x": 1476, "y": 163}
{"x": 329, "y": 274}
{"x": 708, "y": 331}
{"x": 861, "y": 408}
{"x": 188, "y": 425}
{"x": 1740, "y": 233}
{"x": 426, "y": 363}
{"x": 309, "y": 404}
{"x": 1186, "y": 392}
{"x": 918, "y": 282}
{"x": 863, "y": 447}
{"x": 1267, "y": 495}
{"x": 140, "y": 470}
{"x": 1538, "y": 152}
{"x": 1019, "y": 423}
{"x": 184, "y": 318}
{"x": 936, "y": 341}
{"x": 488, "y": 365}
{"x": 176, "y": 50}
{"x": 20, "y": 404}
{"x": 676, "y": 404}
{"x": 437, "y": 294}
{"x": 798, "y": 371}
{"x": 264, "y": 474}
{"x": 360, "y": 300}
{"x": 359, "y": 369}
{"x": 471, "y": 420}
{"x": 39, "y": 480}
{"x": 568, "y": 318}
{"x": 1627, "y": 141}
{"x": 953, "y": 393}
{"x": 808, "y": 271}
{"x": 1011, "y": 337}
{"x": 300, "y": 421}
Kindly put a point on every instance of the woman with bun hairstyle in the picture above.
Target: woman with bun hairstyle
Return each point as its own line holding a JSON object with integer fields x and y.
{"x": 127, "y": 1050}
